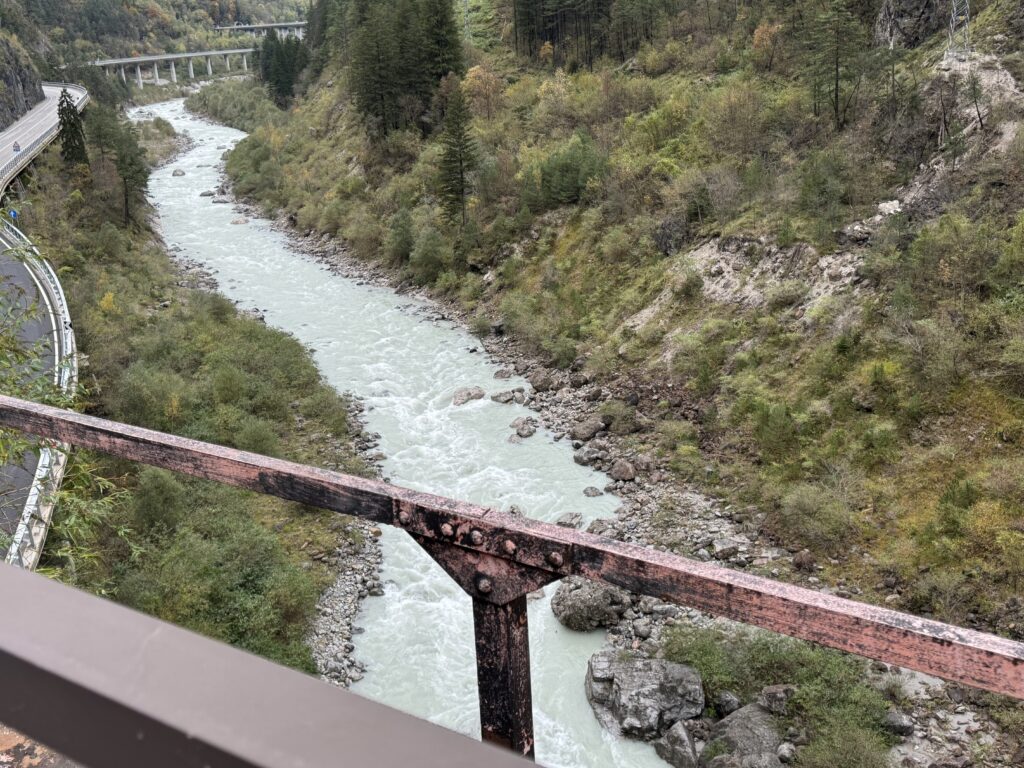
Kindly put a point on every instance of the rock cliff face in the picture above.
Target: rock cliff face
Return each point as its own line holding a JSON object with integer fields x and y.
{"x": 910, "y": 22}
{"x": 20, "y": 88}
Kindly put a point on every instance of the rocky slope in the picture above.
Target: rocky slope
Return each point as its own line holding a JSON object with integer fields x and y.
{"x": 20, "y": 86}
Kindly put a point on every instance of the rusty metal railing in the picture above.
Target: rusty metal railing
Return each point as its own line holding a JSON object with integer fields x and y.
{"x": 498, "y": 559}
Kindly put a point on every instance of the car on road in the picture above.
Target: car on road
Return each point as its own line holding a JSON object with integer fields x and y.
{"x": 17, "y": 147}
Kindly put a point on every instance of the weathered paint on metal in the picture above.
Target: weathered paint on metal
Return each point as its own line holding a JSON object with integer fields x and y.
{"x": 503, "y": 674}
{"x": 960, "y": 655}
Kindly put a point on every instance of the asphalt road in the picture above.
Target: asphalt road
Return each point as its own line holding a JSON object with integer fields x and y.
{"x": 18, "y": 289}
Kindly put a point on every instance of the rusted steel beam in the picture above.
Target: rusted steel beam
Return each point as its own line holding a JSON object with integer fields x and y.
{"x": 107, "y": 686}
{"x": 503, "y": 674}
{"x": 486, "y": 577}
{"x": 960, "y": 655}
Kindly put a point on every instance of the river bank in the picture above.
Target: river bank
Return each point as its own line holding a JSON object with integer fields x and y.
{"x": 938, "y": 727}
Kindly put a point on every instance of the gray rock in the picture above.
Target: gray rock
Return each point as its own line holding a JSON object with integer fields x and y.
{"x": 786, "y": 752}
{"x": 748, "y": 733}
{"x": 525, "y": 427}
{"x": 570, "y": 520}
{"x": 676, "y": 747}
{"x": 586, "y": 429}
{"x": 899, "y": 723}
{"x": 723, "y": 549}
{"x": 178, "y": 172}
{"x": 583, "y": 605}
{"x": 207, "y": 193}
{"x": 504, "y": 373}
{"x": 592, "y": 493}
{"x": 642, "y": 628}
{"x": 504, "y": 397}
{"x": 727, "y": 702}
{"x": 642, "y": 698}
{"x": 622, "y": 471}
{"x": 774, "y": 698}
{"x": 910, "y": 22}
{"x": 466, "y": 394}
{"x": 541, "y": 380}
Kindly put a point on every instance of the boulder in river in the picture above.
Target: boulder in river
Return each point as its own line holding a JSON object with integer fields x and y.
{"x": 642, "y": 698}
{"x": 178, "y": 172}
{"x": 207, "y": 193}
{"x": 570, "y": 520}
{"x": 583, "y": 605}
{"x": 525, "y": 427}
{"x": 748, "y": 736}
{"x": 504, "y": 398}
{"x": 464, "y": 395}
{"x": 676, "y": 747}
{"x": 240, "y": 220}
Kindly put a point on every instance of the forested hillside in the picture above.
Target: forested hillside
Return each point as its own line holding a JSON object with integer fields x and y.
{"x": 786, "y": 236}
{"x": 60, "y": 33}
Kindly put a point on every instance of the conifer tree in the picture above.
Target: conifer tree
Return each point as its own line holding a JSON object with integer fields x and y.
{"x": 458, "y": 157}
{"x": 372, "y": 71}
{"x": 131, "y": 167}
{"x": 442, "y": 39}
{"x": 72, "y": 135}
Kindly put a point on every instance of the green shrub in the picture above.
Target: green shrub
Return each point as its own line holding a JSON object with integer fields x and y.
{"x": 258, "y": 436}
{"x": 430, "y": 255}
{"x": 813, "y": 517}
{"x": 158, "y": 500}
{"x": 833, "y": 700}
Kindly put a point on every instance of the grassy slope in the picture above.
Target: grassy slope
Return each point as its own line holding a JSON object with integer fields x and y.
{"x": 881, "y": 429}
{"x": 240, "y": 567}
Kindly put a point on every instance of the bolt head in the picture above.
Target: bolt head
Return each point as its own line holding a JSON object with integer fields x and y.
{"x": 476, "y": 538}
{"x": 484, "y": 586}
{"x": 555, "y": 559}
{"x": 509, "y": 546}
{"x": 447, "y": 530}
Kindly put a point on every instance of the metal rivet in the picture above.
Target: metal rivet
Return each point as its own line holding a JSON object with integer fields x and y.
{"x": 483, "y": 585}
{"x": 447, "y": 530}
{"x": 477, "y": 538}
{"x": 404, "y": 517}
{"x": 555, "y": 559}
{"x": 509, "y": 546}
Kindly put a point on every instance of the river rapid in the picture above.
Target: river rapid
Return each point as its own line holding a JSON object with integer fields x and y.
{"x": 417, "y": 642}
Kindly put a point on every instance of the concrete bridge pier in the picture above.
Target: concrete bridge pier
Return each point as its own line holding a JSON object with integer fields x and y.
{"x": 156, "y": 73}
{"x": 124, "y": 77}
{"x": 209, "y": 66}
{"x": 191, "y": 71}
{"x": 245, "y": 63}
{"x": 227, "y": 63}
{"x": 138, "y": 75}
{"x": 174, "y": 73}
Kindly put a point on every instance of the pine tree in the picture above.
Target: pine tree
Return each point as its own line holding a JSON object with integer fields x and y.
{"x": 131, "y": 167}
{"x": 442, "y": 39}
{"x": 72, "y": 135}
{"x": 372, "y": 72}
{"x": 458, "y": 157}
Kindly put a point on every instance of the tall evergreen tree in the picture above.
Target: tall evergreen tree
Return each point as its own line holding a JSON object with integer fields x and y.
{"x": 72, "y": 135}
{"x": 372, "y": 71}
{"x": 458, "y": 156}
{"x": 131, "y": 167}
{"x": 441, "y": 37}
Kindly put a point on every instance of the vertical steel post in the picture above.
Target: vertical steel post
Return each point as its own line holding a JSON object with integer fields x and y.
{"x": 503, "y": 674}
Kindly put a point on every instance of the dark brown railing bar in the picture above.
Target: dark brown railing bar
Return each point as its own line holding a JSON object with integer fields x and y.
{"x": 497, "y": 558}
{"x": 112, "y": 688}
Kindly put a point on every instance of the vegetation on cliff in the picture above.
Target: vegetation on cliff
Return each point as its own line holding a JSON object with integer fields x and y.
{"x": 693, "y": 210}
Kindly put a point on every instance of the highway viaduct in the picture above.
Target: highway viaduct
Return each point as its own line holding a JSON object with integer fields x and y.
{"x": 152, "y": 63}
